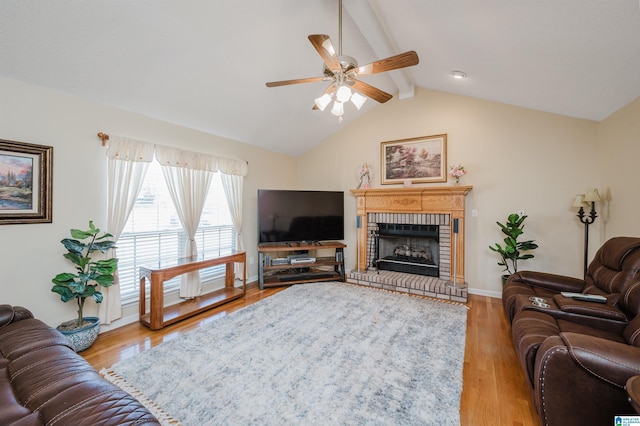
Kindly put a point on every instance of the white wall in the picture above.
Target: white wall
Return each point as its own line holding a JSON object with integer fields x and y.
{"x": 30, "y": 254}
{"x": 518, "y": 159}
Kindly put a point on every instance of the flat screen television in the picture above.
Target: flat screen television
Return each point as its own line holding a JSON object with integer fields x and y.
{"x": 296, "y": 216}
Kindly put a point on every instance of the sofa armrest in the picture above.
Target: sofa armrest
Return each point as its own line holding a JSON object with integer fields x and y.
{"x": 548, "y": 281}
{"x": 10, "y": 314}
{"x": 591, "y": 309}
{"x": 21, "y": 313}
{"x": 568, "y": 393}
{"x": 613, "y": 362}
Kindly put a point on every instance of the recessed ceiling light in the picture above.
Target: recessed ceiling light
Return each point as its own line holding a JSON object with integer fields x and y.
{"x": 458, "y": 74}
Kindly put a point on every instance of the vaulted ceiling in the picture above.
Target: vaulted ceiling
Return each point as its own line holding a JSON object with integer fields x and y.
{"x": 203, "y": 64}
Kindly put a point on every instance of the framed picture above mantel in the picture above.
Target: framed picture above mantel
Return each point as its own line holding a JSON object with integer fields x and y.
{"x": 414, "y": 160}
{"x": 26, "y": 172}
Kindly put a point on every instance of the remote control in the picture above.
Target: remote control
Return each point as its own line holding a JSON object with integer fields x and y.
{"x": 570, "y": 294}
{"x": 591, "y": 298}
{"x": 585, "y": 297}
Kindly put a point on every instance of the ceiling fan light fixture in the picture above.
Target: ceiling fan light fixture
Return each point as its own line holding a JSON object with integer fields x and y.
{"x": 338, "y": 109}
{"x": 323, "y": 101}
{"x": 358, "y": 100}
{"x": 343, "y": 94}
{"x": 343, "y": 72}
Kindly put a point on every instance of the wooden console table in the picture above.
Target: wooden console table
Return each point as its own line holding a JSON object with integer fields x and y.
{"x": 160, "y": 316}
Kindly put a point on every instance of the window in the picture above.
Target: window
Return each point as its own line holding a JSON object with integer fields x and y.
{"x": 153, "y": 232}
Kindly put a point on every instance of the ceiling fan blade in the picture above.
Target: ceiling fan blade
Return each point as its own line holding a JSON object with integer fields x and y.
{"x": 406, "y": 59}
{"x": 298, "y": 81}
{"x": 370, "y": 91}
{"x": 323, "y": 45}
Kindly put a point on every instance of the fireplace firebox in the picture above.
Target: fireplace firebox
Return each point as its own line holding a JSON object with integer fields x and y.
{"x": 408, "y": 248}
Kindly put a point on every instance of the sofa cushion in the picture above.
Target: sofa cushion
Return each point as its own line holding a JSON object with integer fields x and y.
{"x": 529, "y": 329}
{"x": 591, "y": 309}
{"x": 43, "y": 381}
{"x": 613, "y": 257}
{"x": 631, "y": 332}
{"x": 10, "y": 408}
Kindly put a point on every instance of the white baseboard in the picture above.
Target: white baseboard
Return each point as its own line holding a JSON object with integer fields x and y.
{"x": 488, "y": 293}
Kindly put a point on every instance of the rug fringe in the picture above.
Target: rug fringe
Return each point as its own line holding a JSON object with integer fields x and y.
{"x": 435, "y": 299}
{"x": 163, "y": 417}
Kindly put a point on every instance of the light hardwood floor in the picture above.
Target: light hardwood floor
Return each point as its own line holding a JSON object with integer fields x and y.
{"x": 494, "y": 388}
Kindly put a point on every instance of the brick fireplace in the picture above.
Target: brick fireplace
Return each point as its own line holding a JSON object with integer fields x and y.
{"x": 418, "y": 266}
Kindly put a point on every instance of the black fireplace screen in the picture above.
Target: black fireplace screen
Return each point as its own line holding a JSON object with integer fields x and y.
{"x": 412, "y": 249}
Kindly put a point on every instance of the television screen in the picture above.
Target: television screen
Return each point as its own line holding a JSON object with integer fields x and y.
{"x": 292, "y": 216}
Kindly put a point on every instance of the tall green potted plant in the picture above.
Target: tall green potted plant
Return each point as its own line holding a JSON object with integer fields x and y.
{"x": 89, "y": 274}
{"x": 513, "y": 250}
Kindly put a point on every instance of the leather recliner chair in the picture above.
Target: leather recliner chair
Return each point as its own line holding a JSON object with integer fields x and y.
{"x": 615, "y": 265}
{"x": 578, "y": 373}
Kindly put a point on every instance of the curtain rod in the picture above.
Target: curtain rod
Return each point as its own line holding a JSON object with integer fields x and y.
{"x": 105, "y": 138}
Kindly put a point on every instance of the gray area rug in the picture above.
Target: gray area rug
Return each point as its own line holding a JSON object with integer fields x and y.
{"x": 326, "y": 353}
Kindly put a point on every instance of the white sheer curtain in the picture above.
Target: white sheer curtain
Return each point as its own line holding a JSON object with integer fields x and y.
{"x": 233, "y": 190}
{"x": 188, "y": 176}
{"x": 128, "y": 161}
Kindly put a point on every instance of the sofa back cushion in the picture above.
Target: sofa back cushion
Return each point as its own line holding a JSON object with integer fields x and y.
{"x": 632, "y": 332}
{"x": 630, "y": 302}
{"x": 615, "y": 266}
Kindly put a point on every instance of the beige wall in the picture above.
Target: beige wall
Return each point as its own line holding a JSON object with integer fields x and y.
{"x": 518, "y": 159}
{"x": 30, "y": 255}
{"x": 619, "y": 155}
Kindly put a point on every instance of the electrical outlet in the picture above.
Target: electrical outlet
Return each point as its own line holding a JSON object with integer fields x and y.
{"x": 251, "y": 260}
{"x": 474, "y": 213}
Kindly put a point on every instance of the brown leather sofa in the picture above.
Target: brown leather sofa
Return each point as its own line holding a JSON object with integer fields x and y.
{"x": 577, "y": 355}
{"x": 578, "y": 373}
{"x": 615, "y": 265}
{"x": 44, "y": 382}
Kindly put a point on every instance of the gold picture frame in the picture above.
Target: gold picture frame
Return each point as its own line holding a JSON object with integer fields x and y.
{"x": 26, "y": 172}
{"x": 414, "y": 160}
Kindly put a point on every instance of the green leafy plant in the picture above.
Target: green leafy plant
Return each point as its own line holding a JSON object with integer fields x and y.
{"x": 513, "y": 249}
{"x": 89, "y": 273}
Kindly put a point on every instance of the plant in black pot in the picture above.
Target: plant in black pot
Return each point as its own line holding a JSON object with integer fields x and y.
{"x": 513, "y": 250}
{"x": 82, "y": 284}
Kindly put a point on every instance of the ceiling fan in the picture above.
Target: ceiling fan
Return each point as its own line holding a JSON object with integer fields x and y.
{"x": 343, "y": 72}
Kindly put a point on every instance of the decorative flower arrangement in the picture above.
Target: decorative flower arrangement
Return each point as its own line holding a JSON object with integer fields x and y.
{"x": 457, "y": 172}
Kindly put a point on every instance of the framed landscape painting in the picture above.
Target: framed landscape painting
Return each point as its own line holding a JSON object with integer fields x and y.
{"x": 25, "y": 182}
{"x": 415, "y": 160}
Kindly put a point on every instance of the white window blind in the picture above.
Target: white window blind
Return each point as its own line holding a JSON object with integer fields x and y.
{"x": 153, "y": 232}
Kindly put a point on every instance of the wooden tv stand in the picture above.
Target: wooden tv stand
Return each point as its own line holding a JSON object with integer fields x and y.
{"x": 273, "y": 274}
{"x": 160, "y": 316}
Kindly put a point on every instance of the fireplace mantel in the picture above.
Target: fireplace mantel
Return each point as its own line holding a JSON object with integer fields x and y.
{"x": 439, "y": 200}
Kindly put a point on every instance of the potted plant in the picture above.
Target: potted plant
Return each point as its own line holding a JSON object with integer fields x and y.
{"x": 513, "y": 249}
{"x": 84, "y": 282}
